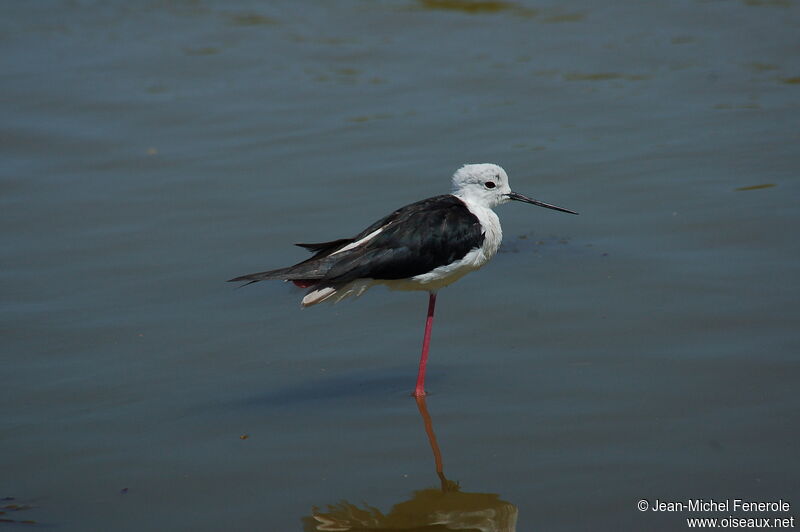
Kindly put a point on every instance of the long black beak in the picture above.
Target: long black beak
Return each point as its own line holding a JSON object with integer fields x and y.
{"x": 520, "y": 197}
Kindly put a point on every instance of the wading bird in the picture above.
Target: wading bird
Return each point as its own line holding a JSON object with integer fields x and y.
{"x": 426, "y": 245}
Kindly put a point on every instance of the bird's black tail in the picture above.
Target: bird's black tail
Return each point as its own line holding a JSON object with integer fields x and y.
{"x": 282, "y": 274}
{"x": 304, "y": 274}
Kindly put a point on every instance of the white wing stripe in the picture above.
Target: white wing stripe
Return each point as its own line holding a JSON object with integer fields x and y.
{"x": 357, "y": 243}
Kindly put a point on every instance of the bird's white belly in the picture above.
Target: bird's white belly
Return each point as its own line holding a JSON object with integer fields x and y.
{"x": 443, "y": 275}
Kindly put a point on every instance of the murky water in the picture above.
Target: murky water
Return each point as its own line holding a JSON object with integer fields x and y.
{"x": 646, "y": 349}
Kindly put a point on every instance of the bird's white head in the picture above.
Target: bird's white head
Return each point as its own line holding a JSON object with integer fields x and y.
{"x": 487, "y": 185}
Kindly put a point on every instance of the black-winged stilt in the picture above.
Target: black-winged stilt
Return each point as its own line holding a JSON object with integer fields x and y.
{"x": 426, "y": 245}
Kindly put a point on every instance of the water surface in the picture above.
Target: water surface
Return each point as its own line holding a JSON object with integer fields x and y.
{"x": 647, "y": 348}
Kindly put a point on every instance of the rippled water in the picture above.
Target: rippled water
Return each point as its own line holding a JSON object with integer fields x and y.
{"x": 647, "y": 348}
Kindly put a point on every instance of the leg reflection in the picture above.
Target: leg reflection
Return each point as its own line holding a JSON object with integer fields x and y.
{"x": 447, "y": 485}
{"x": 427, "y": 509}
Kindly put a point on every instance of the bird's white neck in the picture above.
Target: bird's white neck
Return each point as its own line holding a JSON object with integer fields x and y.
{"x": 490, "y": 223}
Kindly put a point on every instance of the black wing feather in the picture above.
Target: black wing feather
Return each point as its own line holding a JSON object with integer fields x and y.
{"x": 326, "y": 246}
{"x": 415, "y": 239}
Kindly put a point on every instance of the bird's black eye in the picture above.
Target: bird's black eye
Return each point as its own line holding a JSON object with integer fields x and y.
{"x": 489, "y": 184}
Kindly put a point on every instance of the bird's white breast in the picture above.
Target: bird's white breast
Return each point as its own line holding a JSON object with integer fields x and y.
{"x": 492, "y": 232}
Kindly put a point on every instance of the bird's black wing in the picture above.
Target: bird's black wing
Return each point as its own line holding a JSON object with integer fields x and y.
{"x": 414, "y": 239}
{"x": 323, "y": 249}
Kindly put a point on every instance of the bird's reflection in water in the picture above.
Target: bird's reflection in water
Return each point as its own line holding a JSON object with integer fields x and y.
{"x": 432, "y": 509}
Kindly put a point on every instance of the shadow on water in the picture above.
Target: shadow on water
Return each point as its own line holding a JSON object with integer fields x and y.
{"x": 429, "y": 509}
{"x": 354, "y": 384}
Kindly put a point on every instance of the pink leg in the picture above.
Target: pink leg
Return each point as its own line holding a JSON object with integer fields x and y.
{"x": 419, "y": 391}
